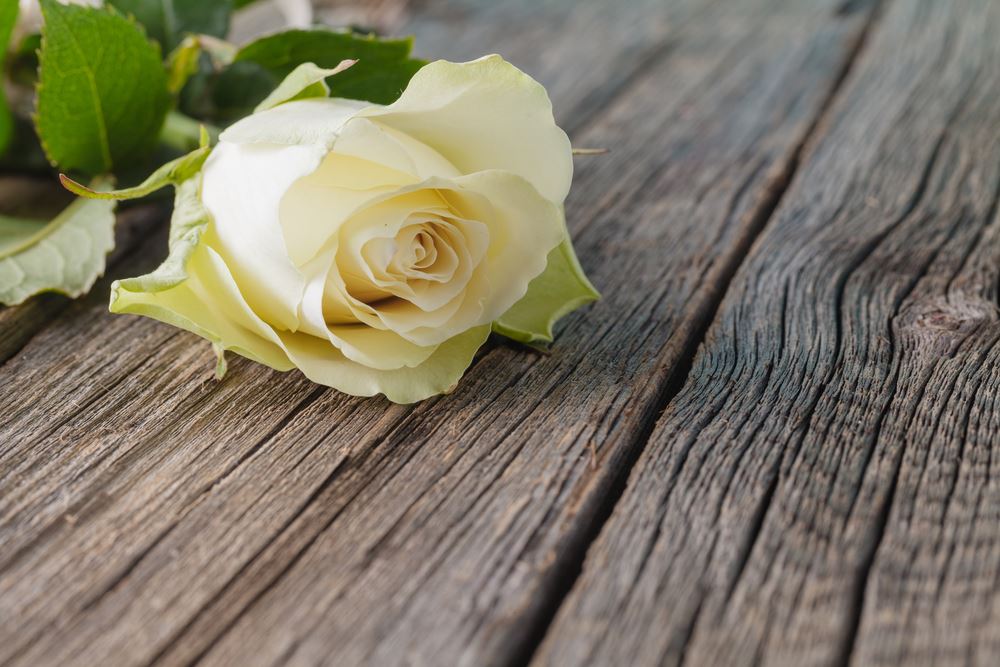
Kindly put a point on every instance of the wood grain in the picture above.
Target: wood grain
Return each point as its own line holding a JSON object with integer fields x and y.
{"x": 824, "y": 488}
{"x": 150, "y": 514}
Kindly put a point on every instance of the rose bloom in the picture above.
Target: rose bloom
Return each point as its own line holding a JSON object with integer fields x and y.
{"x": 370, "y": 246}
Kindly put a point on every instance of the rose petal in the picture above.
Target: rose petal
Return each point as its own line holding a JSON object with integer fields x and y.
{"x": 378, "y": 348}
{"x": 372, "y": 140}
{"x": 242, "y": 188}
{"x": 321, "y": 362}
{"x": 208, "y": 303}
{"x": 300, "y": 122}
{"x": 315, "y": 206}
{"x": 484, "y": 114}
{"x": 523, "y": 228}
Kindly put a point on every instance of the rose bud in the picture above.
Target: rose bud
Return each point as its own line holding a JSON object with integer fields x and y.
{"x": 374, "y": 247}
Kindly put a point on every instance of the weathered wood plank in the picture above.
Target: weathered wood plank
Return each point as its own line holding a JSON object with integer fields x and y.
{"x": 150, "y": 514}
{"x": 824, "y": 488}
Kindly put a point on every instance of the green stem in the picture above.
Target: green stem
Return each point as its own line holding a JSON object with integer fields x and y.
{"x": 183, "y": 133}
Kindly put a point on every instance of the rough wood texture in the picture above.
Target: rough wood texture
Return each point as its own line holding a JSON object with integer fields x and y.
{"x": 824, "y": 489}
{"x": 151, "y": 515}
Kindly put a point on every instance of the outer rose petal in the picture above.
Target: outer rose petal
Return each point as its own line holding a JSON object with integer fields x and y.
{"x": 208, "y": 304}
{"x": 367, "y": 138}
{"x": 485, "y": 114}
{"x": 438, "y": 375}
{"x": 242, "y": 188}
{"x": 315, "y": 206}
{"x": 302, "y": 122}
{"x": 525, "y": 227}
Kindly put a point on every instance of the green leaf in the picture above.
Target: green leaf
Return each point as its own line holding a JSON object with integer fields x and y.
{"x": 65, "y": 255}
{"x": 561, "y": 289}
{"x": 382, "y": 72}
{"x": 8, "y": 17}
{"x": 168, "y": 21}
{"x": 307, "y": 80}
{"x": 172, "y": 173}
{"x": 188, "y": 223}
{"x": 102, "y": 91}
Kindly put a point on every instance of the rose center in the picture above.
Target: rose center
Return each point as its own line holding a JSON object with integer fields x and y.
{"x": 422, "y": 252}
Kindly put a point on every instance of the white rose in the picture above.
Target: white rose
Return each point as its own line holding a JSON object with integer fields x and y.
{"x": 373, "y": 247}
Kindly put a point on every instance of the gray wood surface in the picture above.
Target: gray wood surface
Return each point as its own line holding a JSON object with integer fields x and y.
{"x": 810, "y": 481}
{"x": 823, "y": 490}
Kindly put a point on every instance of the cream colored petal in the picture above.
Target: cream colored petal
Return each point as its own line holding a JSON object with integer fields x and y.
{"x": 377, "y": 348}
{"x": 523, "y": 228}
{"x": 301, "y": 122}
{"x": 484, "y": 114}
{"x": 440, "y": 373}
{"x": 317, "y": 205}
{"x": 372, "y": 140}
{"x": 339, "y": 307}
{"x": 242, "y": 188}
{"x": 430, "y": 328}
{"x": 209, "y": 304}
{"x": 382, "y": 219}
{"x": 432, "y": 303}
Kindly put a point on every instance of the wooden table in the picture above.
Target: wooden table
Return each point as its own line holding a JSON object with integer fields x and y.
{"x": 774, "y": 441}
